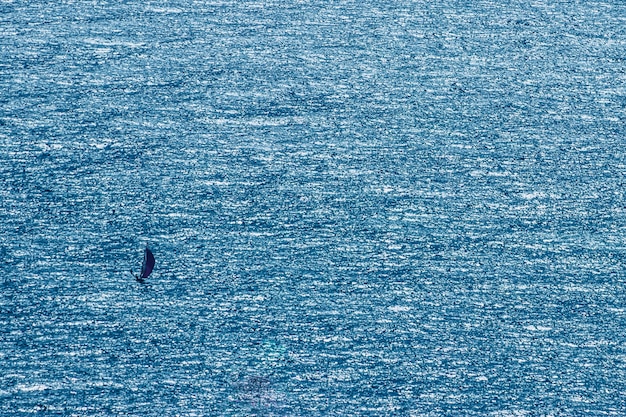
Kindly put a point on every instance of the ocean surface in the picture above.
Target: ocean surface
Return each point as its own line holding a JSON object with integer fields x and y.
{"x": 357, "y": 208}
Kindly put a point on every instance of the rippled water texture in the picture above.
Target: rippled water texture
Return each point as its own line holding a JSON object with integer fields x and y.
{"x": 357, "y": 208}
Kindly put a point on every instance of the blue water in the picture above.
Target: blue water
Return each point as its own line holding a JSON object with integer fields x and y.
{"x": 358, "y": 208}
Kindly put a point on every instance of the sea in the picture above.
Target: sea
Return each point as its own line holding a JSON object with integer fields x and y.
{"x": 357, "y": 208}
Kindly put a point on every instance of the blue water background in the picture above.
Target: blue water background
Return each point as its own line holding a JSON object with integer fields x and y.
{"x": 358, "y": 208}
